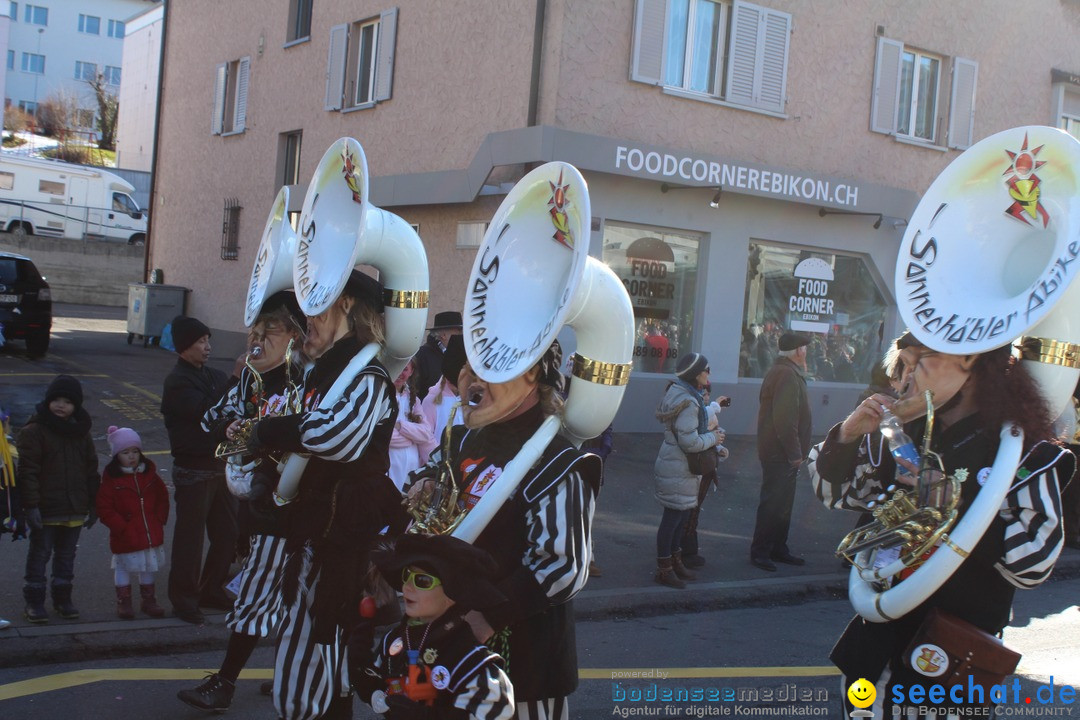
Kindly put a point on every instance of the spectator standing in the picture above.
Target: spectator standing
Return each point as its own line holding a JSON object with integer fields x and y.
{"x": 783, "y": 442}
{"x": 443, "y": 395}
{"x": 686, "y": 430}
{"x": 429, "y": 357}
{"x": 411, "y": 431}
{"x": 691, "y": 556}
{"x": 204, "y": 507}
{"x": 133, "y": 503}
{"x": 58, "y": 477}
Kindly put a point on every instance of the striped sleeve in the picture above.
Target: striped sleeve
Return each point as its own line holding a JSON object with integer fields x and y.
{"x": 342, "y": 432}
{"x": 229, "y": 407}
{"x": 846, "y": 477}
{"x": 488, "y": 695}
{"x": 1032, "y": 515}
{"x": 559, "y": 537}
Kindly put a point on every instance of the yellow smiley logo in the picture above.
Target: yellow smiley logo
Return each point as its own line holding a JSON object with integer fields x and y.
{"x": 861, "y": 694}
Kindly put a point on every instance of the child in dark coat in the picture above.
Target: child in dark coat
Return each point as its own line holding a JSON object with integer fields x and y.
{"x": 58, "y": 478}
{"x": 430, "y": 667}
{"x": 133, "y": 502}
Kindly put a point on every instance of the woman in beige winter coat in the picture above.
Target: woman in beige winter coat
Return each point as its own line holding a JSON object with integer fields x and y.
{"x": 686, "y": 430}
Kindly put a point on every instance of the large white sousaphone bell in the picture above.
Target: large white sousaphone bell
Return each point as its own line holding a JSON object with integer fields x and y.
{"x": 533, "y": 275}
{"x": 339, "y": 229}
{"x": 273, "y": 268}
{"x": 989, "y": 257}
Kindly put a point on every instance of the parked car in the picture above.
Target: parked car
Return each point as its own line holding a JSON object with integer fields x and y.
{"x": 25, "y": 304}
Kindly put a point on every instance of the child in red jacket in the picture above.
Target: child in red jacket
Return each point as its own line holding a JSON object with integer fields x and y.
{"x": 133, "y": 503}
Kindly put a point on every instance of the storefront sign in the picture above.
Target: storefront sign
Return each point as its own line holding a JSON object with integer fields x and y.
{"x": 763, "y": 181}
{"x": 810, "y": 308}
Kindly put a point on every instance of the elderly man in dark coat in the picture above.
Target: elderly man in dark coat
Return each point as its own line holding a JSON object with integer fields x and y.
{"x": 783, "y": 442}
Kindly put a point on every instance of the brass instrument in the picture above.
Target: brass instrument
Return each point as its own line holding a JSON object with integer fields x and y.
{"x": 913, "y": 520}
{"x": 434, "y": 506}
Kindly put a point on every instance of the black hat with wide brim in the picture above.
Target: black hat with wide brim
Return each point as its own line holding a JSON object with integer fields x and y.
{"x": 448, "y": 320}
{"x": 465, "y": 570}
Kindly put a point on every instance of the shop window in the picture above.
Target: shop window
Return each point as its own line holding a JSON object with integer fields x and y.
{"x": 830, "y": 297}
{"x": 659, "y": 268}
{"x": 907, "y": 87}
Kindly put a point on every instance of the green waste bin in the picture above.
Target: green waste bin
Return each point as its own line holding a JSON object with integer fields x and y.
{"x": 151, "y": 307}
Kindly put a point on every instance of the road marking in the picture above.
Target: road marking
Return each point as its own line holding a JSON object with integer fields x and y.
{"x": 147, "y": 393}
{"x": 63, "y": 681}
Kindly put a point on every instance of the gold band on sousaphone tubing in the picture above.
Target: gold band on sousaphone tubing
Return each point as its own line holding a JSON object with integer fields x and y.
{"x": 599, "y": 372}
{"x": 1050, "y": 351}
{"x": 405, "y": 299}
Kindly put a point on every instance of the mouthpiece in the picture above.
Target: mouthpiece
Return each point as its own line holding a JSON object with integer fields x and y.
{"x": 256, "y": 351}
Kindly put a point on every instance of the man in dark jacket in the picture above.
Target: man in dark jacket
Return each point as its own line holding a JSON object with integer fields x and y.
{"x": 428, "y": 358}
{"x": 783, "y": 441}
{"x": 203, "y": 503}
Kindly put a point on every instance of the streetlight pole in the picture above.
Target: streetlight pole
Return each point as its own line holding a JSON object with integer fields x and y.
{"x": 40, "y": 32}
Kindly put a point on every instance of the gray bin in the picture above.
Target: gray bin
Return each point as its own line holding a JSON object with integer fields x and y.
{"x": 151, "y": 307}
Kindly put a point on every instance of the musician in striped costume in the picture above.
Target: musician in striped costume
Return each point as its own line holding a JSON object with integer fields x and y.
{"x": 257, "y": 611}
{"x": 540, "y": 538}
{"x": 345, "y": 498}
{"x": 974, "y": 395}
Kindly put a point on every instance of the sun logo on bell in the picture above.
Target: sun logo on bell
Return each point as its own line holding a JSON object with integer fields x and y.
{"x": 559, "y": 219}
{"x": 1024, "y": 184}
{"x": 348, "y": 169}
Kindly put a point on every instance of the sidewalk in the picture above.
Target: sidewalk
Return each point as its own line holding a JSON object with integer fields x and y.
{"x": 122, "y": 382}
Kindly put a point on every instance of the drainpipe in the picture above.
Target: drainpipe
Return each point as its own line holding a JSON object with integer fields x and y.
{"x": 538, "y": 51}
{"x": 157, "y": 141}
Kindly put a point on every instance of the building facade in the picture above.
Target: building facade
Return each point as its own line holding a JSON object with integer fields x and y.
{"x": 751, "y": 167}
{"x": 137, "y": 115}
{"x": 55, "y": 46}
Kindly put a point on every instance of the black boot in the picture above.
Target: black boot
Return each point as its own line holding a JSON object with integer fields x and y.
{"x": 61, "y": 598}
{"x": 215, "y": 694}
{"x": 35, "y": 604}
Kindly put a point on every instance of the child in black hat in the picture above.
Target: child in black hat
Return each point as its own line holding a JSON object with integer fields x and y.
{"x": 58, "y": 478}
{"x": 430, "y": 666}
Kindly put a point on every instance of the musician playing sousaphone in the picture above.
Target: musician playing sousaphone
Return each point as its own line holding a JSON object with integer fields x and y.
{"x": 986, "y": 423}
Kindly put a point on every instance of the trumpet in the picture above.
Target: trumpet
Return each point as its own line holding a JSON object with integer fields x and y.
{"x": 434, "y": 507}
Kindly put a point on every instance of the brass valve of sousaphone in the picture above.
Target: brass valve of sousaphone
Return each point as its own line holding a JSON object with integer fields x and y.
{"x": 434, "y": 505}
{"x": 914, "y": 520}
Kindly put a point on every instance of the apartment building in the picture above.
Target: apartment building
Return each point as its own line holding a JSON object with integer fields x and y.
{"x": 140, "y": 67}
{"x": 751, "y": 166}
{"x": 55, "y": 46}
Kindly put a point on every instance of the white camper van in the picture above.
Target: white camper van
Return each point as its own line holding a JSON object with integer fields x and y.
{"x": 48, "y": 197}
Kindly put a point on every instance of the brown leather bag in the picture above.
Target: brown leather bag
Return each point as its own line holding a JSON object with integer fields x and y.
{"x": 946, "y": 650}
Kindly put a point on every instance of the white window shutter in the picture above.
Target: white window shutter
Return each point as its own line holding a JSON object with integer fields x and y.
{"x": 335, "y": 66}
{"x": 742, "y": 74}
{"x": 962, "y": 103}
{"x": 647, "y": 61}
{"x": 220, "y": 76}
{"x": 883, "y": 104}
{"x": 384, "y": 55}
{"x": 776, "y": 37}
{"x": 243, "y": 70}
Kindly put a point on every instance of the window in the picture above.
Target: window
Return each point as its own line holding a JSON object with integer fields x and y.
{"x": 360, "y": 68}
{"x": 36, "y": 15}
{"x": 659, "y": 269}
{"x": 112, "y": 75}
{"x": 10, "y": 59}
{"x": 28, "y": 107}
{"x": 116, "y": 29}
{"x": 734, "y": 52}
{"x": 289, "y": 152}
{"x": 299, "y": 20}
{"x": 230, "y": 97}
{"x": 51, "y": 187}
{"x": 832, "y": 298}
{"x": 14, "y": 11}
{"x": 7, "y": 180}
{"x": 33, "y": 63}
{"x": 89, "y": 24}
{"x": 907, "y": 95}
{"x": 471, "y": 234}
{"x": 230, "y": 230}
{"x": 85, "y": 70}
{"x": 122, "y": 202}
{"x": 1071, "y": 125}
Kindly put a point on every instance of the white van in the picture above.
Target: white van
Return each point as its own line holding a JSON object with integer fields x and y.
{"x": 57, "y": 199}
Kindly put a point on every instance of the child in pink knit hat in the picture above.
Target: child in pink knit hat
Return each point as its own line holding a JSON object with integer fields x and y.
{"x": 133, "y": 503}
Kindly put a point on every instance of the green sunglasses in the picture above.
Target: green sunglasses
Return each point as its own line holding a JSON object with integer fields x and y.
{"x": 419, "y": 580}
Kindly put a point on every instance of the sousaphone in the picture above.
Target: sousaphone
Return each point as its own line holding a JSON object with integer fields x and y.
{"x": 273, "y": 268}
{"x": 989, "y": 258}
{"x": 339, "y": 229}
{"x": 532, "y": 276}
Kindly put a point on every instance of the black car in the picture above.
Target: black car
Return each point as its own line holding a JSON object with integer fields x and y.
{"x": 25, "y": 304}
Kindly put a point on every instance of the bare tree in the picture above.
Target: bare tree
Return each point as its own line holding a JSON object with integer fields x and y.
{"x": 108, "y": 108}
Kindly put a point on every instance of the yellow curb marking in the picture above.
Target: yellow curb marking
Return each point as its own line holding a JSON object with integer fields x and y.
{"x": 63, "y": 681}
{"x": 147, "y": 393}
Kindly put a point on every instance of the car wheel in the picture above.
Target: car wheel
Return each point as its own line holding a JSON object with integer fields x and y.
{"x": 37, "y": 343}
{"x": 137, "y": 239}
{"x": 18, "y": 230}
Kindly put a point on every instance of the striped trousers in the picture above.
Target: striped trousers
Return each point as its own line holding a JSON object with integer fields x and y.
{"x": 307, "y": 675}
{"x": 546, "y": 709}
{"x": 257, "y": 611}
